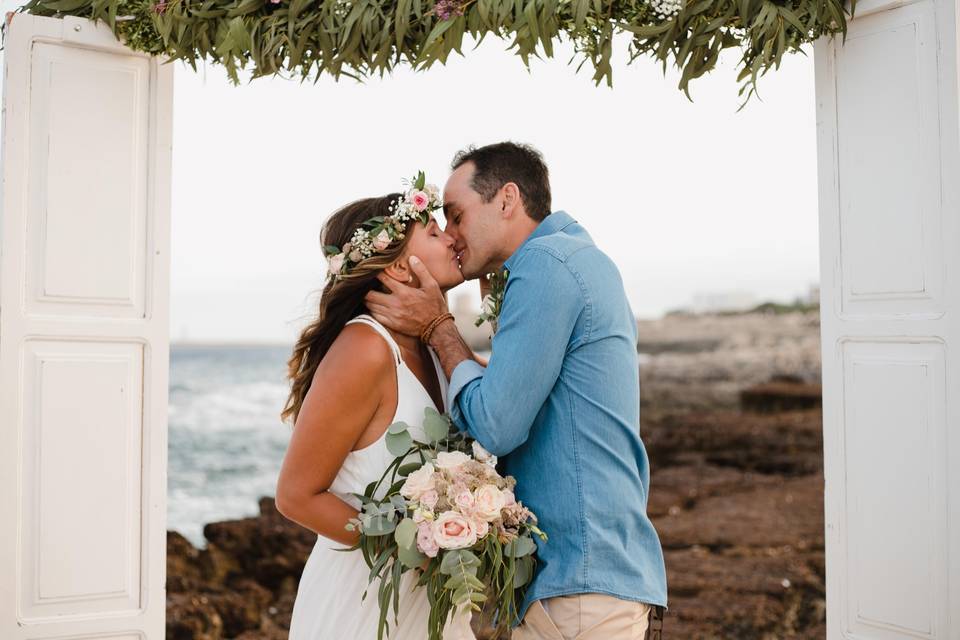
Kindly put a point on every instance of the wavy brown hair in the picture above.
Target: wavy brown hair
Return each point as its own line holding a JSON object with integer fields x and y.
{"x": 342, "y": 298}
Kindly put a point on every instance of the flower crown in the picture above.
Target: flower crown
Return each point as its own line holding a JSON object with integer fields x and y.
{"x": 377, "y": 234}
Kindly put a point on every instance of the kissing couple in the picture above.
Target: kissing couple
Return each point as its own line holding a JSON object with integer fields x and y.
{"x": 557, "y": 402}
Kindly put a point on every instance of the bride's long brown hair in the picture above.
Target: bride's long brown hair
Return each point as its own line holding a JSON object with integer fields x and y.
{"x": 342, "y": 299}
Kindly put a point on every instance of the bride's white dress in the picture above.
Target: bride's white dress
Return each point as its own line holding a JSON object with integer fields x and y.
{"x": 328, "y": 604}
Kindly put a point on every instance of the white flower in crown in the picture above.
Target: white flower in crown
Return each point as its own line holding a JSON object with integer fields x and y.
{"x": 377, "y": 234}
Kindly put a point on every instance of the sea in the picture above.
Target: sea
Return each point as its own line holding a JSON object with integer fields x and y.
{"x": 225, "y": 441}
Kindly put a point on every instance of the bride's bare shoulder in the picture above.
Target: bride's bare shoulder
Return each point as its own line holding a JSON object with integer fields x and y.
{"x": 358, "y": 351}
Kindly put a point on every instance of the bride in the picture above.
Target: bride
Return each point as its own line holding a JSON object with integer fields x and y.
{"x": 350, "y": 379}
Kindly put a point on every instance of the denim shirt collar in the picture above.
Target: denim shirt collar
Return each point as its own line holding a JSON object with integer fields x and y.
{"x": 556, "y": 221}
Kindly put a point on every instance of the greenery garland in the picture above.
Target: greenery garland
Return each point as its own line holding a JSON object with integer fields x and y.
{"x": 361, "y": 38}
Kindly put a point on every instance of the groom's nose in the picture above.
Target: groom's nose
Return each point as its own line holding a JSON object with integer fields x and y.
{"x": 453, "y": 236}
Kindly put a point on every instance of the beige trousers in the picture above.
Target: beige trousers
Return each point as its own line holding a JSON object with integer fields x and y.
{"x": 584, "y": 616}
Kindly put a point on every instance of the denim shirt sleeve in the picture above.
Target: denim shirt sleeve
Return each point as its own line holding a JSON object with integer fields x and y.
{"x": 542, "y": 303}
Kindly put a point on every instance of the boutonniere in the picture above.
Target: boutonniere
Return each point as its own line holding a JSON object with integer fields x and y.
{"x": 490, "y": 306}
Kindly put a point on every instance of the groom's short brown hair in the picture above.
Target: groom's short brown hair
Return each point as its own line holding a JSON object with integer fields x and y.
{"x": 497, "y": 164}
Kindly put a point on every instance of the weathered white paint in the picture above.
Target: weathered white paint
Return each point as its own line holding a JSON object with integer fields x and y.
{"x": 889, "y": 156}
{"x": 84, "y": 290}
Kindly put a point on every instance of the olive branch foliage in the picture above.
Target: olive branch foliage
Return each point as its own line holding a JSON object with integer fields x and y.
{"x": 363, "y": 38}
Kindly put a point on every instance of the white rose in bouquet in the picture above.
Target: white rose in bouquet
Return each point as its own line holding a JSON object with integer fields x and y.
{"x": 418, "y": 482}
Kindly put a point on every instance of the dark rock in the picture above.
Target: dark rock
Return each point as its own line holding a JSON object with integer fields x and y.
{"x": 785, "y": 394}
{"x": 783, "y": 513}
{"x": 243, "y": 584}
{"x": 783, "y": 443}
{"x": 192, "y": 617}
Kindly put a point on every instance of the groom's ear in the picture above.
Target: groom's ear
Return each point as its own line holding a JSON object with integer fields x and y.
{"x": 510, "y": 199}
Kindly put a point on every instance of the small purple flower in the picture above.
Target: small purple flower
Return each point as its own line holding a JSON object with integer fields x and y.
{"x": 160, "y": 6}
{"x": 446, "y": 9}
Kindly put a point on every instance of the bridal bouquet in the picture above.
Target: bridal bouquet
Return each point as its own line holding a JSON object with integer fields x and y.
{"x": 442, "y": 510}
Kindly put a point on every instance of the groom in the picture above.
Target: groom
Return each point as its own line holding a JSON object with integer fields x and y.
{"x": 559, "y": 399}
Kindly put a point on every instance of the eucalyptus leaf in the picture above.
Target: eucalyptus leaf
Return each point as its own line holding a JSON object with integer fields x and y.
{"x": 410, "y": 558}
{"x": 454, "y": 582}
{"x": 519, "y": 547}
{"x": 524, "y": 572}
{"x": 436, "y": 426}
{"x": 379, "y": 526}
{"x": 399, "y": 502}
{"x": 399, "y": 443}
{"x": 450, "y": 562}
{"x": 398, "y": 427}
{"x": 406, "y": 534}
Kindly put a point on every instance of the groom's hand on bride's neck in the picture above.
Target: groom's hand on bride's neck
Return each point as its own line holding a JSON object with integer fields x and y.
{"x": 406, "y": 308}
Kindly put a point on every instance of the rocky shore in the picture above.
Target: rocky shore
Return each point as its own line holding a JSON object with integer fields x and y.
{"x": 736, "y": 495}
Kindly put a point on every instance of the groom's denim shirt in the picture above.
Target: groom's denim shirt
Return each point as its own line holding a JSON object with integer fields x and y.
{"x": 560, "y": 402}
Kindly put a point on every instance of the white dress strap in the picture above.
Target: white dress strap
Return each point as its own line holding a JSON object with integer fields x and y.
{"x": 379, "y": 328}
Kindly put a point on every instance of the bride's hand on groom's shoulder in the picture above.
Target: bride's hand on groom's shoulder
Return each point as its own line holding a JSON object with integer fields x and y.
{"x": 406, "y": 308}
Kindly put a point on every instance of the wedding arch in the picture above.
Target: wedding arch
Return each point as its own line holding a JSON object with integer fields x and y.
{"x": 85, "y": 256}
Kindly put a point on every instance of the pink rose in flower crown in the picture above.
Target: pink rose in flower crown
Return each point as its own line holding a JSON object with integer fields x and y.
{"x": 508, "y": 498}
{"x": 454, "y": 531}
{"x": 382, "y": 241}
{"x": 426, "y": 542}
{"x": 419, "y": 200}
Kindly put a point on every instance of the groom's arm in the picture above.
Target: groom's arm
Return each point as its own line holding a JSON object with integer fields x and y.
{"x": 450, "y": 347}
{"x": 497, "y": 405}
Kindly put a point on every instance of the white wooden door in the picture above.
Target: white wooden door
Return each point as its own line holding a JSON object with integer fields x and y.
{"x": 84, "y": 279}
{"x": 887, "y": 124}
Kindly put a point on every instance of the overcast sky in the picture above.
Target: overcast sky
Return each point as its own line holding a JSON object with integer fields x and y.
{"x": 688, "y": 198}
